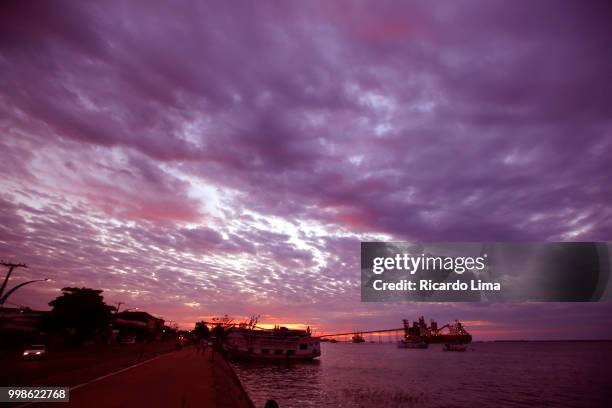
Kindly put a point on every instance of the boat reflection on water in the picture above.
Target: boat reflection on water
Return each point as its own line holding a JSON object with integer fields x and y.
{"x": 454, "y": 347}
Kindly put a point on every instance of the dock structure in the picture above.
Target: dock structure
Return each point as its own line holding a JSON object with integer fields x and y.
{"x": 453, "y": 332}
{"x": 373, "y": 336}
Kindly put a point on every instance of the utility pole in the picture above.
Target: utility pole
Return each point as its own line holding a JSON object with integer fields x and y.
{"x": 11, "y": 266}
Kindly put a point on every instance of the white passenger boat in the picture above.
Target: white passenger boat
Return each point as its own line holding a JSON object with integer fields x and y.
{"x": 279, "y": 343}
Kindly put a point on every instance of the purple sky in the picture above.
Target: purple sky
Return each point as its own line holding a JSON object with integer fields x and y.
{"x": 228, "y": 157}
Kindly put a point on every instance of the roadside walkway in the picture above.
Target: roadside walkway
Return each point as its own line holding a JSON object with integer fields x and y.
{"x": 182, "y": 379}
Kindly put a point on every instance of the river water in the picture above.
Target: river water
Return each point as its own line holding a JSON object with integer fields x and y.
{"x": 513, "y": 374}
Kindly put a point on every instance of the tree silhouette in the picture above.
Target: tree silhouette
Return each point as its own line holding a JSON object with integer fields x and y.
{"x": 82, "y": 310}
{"x": 219, "y": 332}
{"x": 201, "y": 331}
{"x": 221, "y": 325}
{"x": 225, "y": 321}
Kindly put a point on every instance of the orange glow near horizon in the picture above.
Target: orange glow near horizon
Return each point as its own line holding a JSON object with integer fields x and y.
{"x": 479, "y": 323}
{"x": 269, "y": 324}
{"x": 295, "y": 326}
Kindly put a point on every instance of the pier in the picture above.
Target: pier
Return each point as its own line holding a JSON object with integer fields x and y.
{"x": 389, "y": 334}
{"x": 453, "y": 332}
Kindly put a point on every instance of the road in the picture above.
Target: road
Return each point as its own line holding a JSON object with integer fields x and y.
{"x": 181, "y": 378}
{"x": 72, "y": 367}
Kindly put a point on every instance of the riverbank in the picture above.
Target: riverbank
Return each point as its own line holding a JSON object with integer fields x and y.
{"x": 229, "y": 390}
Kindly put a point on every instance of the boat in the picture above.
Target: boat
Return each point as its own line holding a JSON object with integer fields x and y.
{"x": 357, "y": 338}
{"x": 454, "y": 347}
{"x": 412, "y": 342}
{"x": 279, "y": 343}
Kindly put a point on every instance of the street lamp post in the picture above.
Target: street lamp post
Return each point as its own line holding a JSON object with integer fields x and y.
{"x": 10, "y": 292}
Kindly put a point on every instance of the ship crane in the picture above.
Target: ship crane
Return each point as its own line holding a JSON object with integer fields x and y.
{"x": 453, "y": 332}
{"x": 456, "y": 328}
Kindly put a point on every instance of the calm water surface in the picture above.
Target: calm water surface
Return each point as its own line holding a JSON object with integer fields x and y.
{"x": 517, "y": 374}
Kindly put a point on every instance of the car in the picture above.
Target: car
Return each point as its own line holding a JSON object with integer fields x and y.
{"x": 35, "y": 351}
{"x": 128, "y": 340}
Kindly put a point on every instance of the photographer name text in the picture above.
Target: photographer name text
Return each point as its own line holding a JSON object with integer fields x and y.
{"x": 429, "y": 285}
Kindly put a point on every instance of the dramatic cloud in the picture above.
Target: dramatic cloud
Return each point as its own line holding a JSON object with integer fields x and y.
{"x": 209, "y": 157}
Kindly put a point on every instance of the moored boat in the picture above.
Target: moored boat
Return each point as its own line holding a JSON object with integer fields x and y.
{"x": 279, "y": 343}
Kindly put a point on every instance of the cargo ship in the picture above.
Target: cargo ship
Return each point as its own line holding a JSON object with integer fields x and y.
{"x": 452, "y": 333}
{"x": 279, "y": 343}
{"x": 357, "y": 338}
